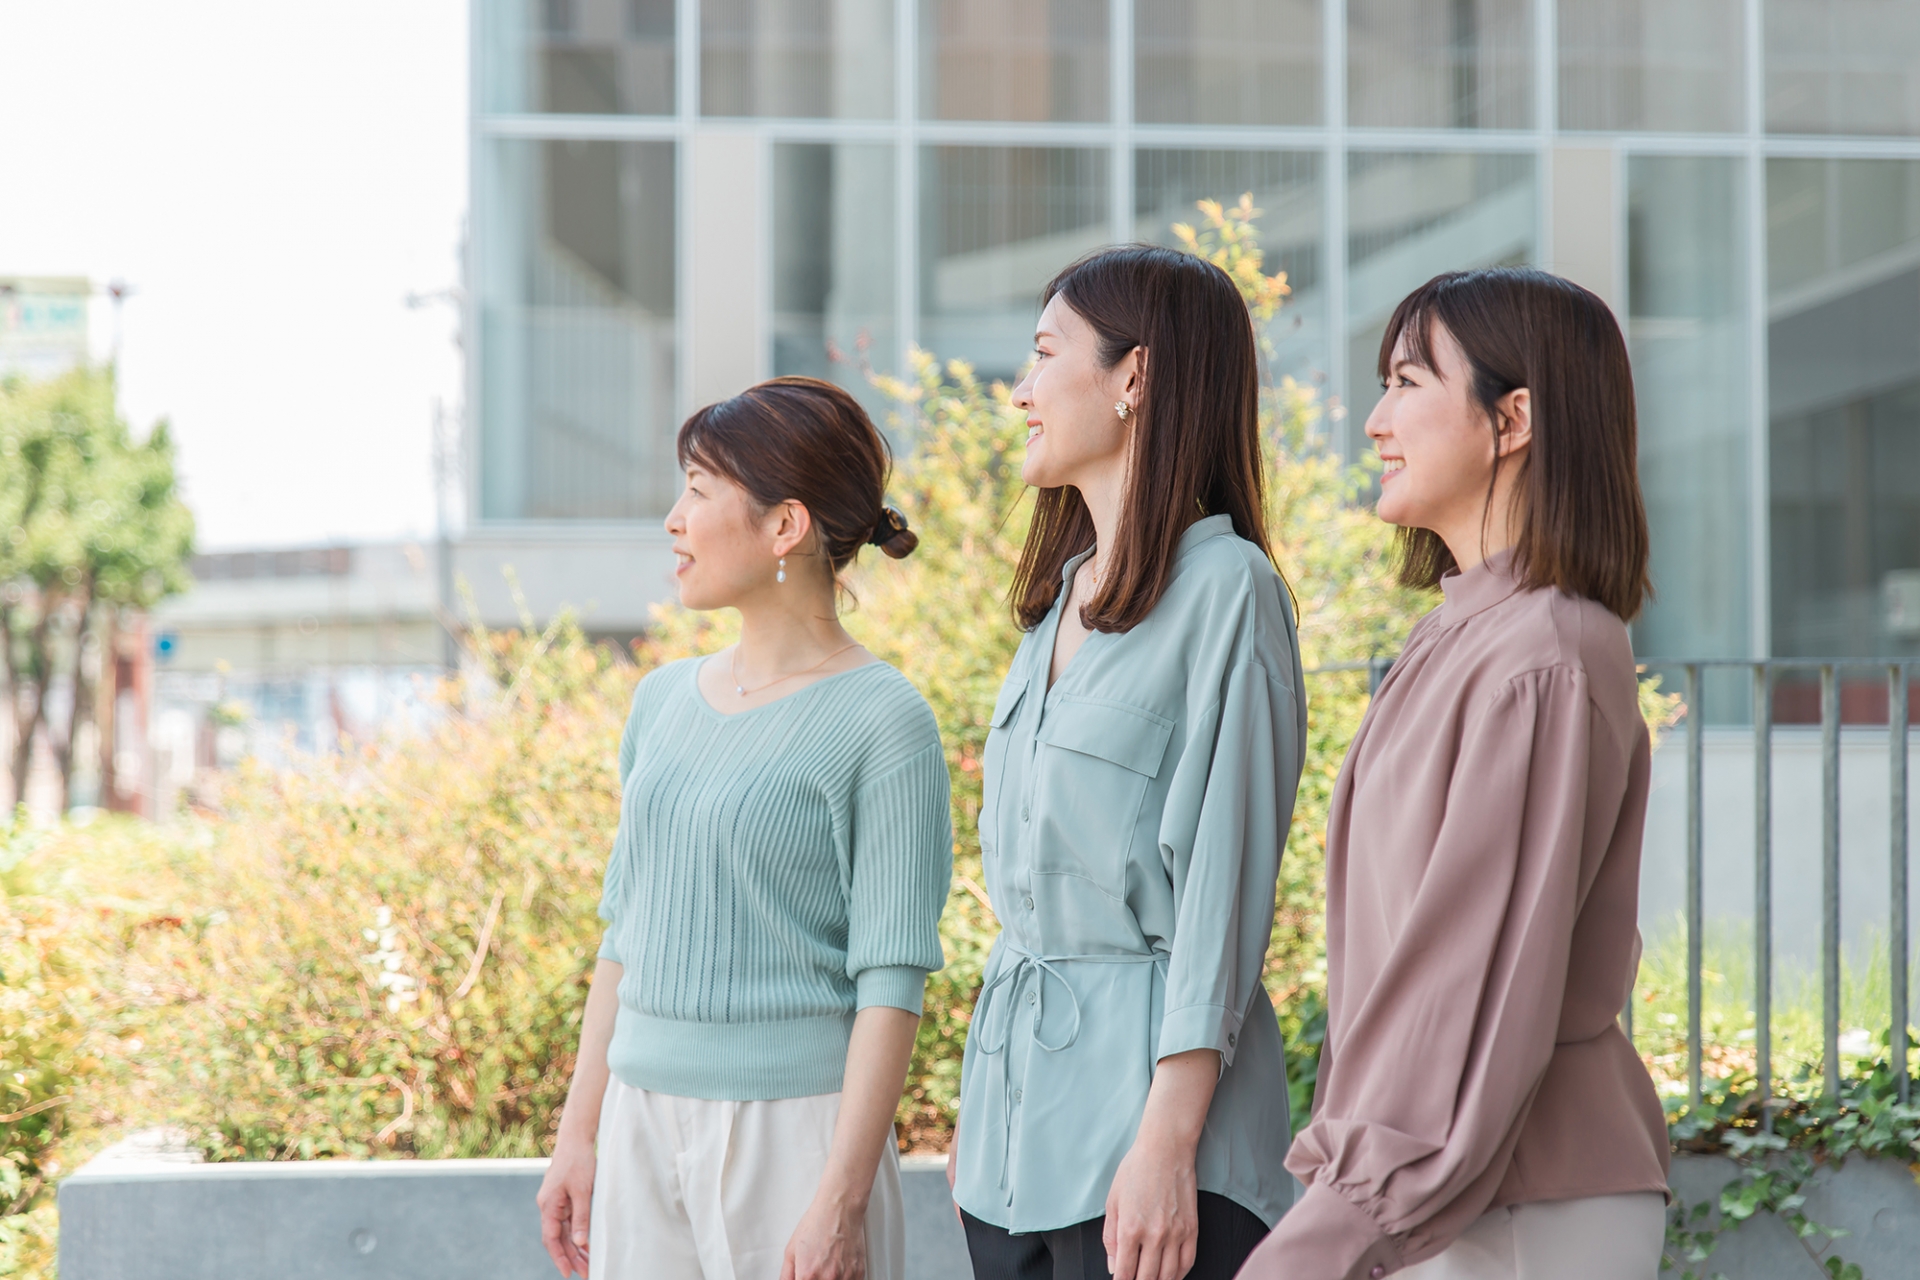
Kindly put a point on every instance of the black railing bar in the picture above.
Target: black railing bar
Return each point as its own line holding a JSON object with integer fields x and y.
{"x": 1778, "y": 664}
{"x": 1897, "y": 954}
{"x": 1763, "y": 892}
{"x": 1830, "y": 876}
{"x": 1696, "y": 895}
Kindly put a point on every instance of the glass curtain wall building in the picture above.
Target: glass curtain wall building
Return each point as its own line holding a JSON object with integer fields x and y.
{"x": 673, "y": 198}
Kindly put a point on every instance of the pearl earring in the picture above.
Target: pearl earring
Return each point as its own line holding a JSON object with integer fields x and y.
{"x": 780, "y": 575}
{"x": 1120, "y": 407}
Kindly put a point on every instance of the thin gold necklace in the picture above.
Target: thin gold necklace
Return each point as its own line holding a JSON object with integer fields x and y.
{"x": 733, "y": 669}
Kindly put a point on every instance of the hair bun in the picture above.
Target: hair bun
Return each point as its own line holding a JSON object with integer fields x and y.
{"x": 891, "y": 535}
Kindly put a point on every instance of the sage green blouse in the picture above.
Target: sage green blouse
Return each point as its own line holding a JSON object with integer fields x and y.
{"x": 1132, "y": 824}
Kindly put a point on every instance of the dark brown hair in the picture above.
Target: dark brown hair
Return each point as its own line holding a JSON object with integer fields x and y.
{"x": 1583, "y": 527}
{"x": 807, "y": 441}
{"x": 1196, "y": 434}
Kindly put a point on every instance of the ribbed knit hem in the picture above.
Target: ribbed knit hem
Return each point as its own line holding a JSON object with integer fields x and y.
{"x": 731, "y": 1061}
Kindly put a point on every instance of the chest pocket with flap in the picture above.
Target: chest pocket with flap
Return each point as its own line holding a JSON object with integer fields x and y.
{"x": 1094, "y": 760}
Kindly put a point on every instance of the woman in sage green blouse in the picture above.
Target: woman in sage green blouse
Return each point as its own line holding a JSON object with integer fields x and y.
{"x": 1123, "y": 1099}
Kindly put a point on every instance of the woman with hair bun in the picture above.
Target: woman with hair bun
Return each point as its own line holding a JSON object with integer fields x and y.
{"x": 773, "y": 894}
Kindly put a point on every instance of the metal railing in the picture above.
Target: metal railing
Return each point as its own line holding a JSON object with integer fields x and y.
{"x": 1762, "y": 675}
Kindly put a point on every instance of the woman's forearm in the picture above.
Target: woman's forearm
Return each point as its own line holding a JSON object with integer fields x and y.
{"x": 1177, "y": 1103}
{"x": 877, "y": 1059}
{"x": 580, "y": 1119}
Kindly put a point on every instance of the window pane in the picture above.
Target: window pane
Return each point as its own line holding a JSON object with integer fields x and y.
{"x": 1286, "y": 189}
{"x": 1412, "y": 216}
{"x": 1686, "y": 328}
{"x": 576, "y": 297}
{"x": 997, "y": 223}
{"x": 1227, "y": 61}
{"x": 592, "y": 57}
{"x": 810, "y": 58}
{"x": 1652, "y": 65}
{"x": 1843, "y": 250}
{"x": 1417, "y": 64}
{"x": 833, "y": 256}
{"x": 1013, "y": 59}
{"x": 1843, "y": 66}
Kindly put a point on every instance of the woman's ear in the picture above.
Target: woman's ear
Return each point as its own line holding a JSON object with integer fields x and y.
{"x": 790, "y": 523}
{"x": 1514, "y": 415}
{"x": 1134, "y": 365}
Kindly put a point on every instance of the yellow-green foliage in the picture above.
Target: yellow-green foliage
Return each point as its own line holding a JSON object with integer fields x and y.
{"x": 43, "y": 993}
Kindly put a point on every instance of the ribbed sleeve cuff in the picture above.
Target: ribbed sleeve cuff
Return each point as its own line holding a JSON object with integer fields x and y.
{"x": 606, "y": 948}
{"x": 900, "y": 986}
{"x": 1323, "y": 1237}
{"x": 1200, "y": 1026}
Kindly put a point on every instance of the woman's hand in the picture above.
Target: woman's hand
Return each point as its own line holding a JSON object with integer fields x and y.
{"x": 566, "y": 1203}
{"x": 1153, "y": 1216}
{"x": 953, "y": 1171}
{"x": 829, "y": 1244}
{"x": 1153, "y": 1213}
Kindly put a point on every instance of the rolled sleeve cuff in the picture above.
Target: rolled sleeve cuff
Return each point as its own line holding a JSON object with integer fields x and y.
{"x": 1324, "y": 1236}
{"x": 901, "y": 986}
{"x": 606, "y": 948}
{"x": 1200, "y": 1026}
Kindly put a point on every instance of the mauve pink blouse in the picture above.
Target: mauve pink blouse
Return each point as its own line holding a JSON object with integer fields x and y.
{"x": 1483, "y": 868}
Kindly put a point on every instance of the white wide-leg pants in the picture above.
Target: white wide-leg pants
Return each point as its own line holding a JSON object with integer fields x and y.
{"x": 696, "y": 1189}
{"x": 1596, "y": 1238}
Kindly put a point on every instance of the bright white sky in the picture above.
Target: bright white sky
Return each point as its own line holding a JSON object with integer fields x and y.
{"x": 272, "y": 179}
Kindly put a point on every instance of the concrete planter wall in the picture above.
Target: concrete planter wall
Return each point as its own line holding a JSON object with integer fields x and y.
{"x": 139, "y": 1214}
{"x": 1876, "y": 1201}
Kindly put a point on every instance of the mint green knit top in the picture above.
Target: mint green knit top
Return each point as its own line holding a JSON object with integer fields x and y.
{"x": 774, "y": 871}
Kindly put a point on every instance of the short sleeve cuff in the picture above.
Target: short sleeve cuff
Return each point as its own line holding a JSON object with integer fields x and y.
{"x": 901, "y": 986}
{"x": 1200, "y": 1026}
{"x": 1325, "y": 1236}
{"x": 606, "y": 948}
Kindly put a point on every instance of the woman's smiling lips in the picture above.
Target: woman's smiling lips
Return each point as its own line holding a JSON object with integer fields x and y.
{"x": 1391, "y": 467}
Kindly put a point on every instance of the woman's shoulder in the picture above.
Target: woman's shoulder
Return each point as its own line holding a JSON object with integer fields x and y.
{"x": 879, "y": 694}
{"x": 1546, "y": 629}
{"x": 660, "y": 685}
{"x": 1227, "y": 576}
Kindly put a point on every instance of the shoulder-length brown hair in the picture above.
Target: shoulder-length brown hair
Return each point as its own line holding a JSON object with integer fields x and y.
{"x": 1583, "y": 526}
{"x": 1196, "y": 435}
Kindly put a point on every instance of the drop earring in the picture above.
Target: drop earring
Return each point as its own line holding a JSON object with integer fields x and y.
{"x": 1120, "y": 407}
{"x": 780, "y": 574}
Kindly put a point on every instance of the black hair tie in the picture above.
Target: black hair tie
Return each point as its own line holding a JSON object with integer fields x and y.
{"x": 890, "y": 524}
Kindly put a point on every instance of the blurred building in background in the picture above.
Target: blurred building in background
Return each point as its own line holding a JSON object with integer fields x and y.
{"x": 674, "y": 198}
{"x": 43, "y": 324}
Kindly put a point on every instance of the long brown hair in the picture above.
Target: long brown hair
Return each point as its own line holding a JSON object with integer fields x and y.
{"x": 1196, "y": 434}
{"x": 1583, "y": 526}
{"x": 807, "y": 441}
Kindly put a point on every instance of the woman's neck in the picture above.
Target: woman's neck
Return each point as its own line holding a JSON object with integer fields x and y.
{"x": 1103, "y": 494}
{"x": 786, "y": 628}
{"x": 1486, "y": 530}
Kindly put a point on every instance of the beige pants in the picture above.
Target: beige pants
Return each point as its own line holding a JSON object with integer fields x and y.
{"x": 693, "y": 1189}
{"x": 1598, "y": 1238}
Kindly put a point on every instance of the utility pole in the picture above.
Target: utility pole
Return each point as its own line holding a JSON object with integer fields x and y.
{"x": 446, "y": 472}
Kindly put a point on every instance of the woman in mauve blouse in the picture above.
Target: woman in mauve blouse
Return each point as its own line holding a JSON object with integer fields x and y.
{"x": 1479, "y": 1111}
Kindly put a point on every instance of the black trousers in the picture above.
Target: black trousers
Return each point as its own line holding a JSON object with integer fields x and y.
{"x": 1228, "y": 1233}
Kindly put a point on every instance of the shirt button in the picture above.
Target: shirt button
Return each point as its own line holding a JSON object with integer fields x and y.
{"x": 1032, "y": 998}
{"x": 1016, "y": 1095}
{"x": 1029, "y": 901}
{"x": 1023, "y": 813}
{"x": 1231, "y": 1039}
